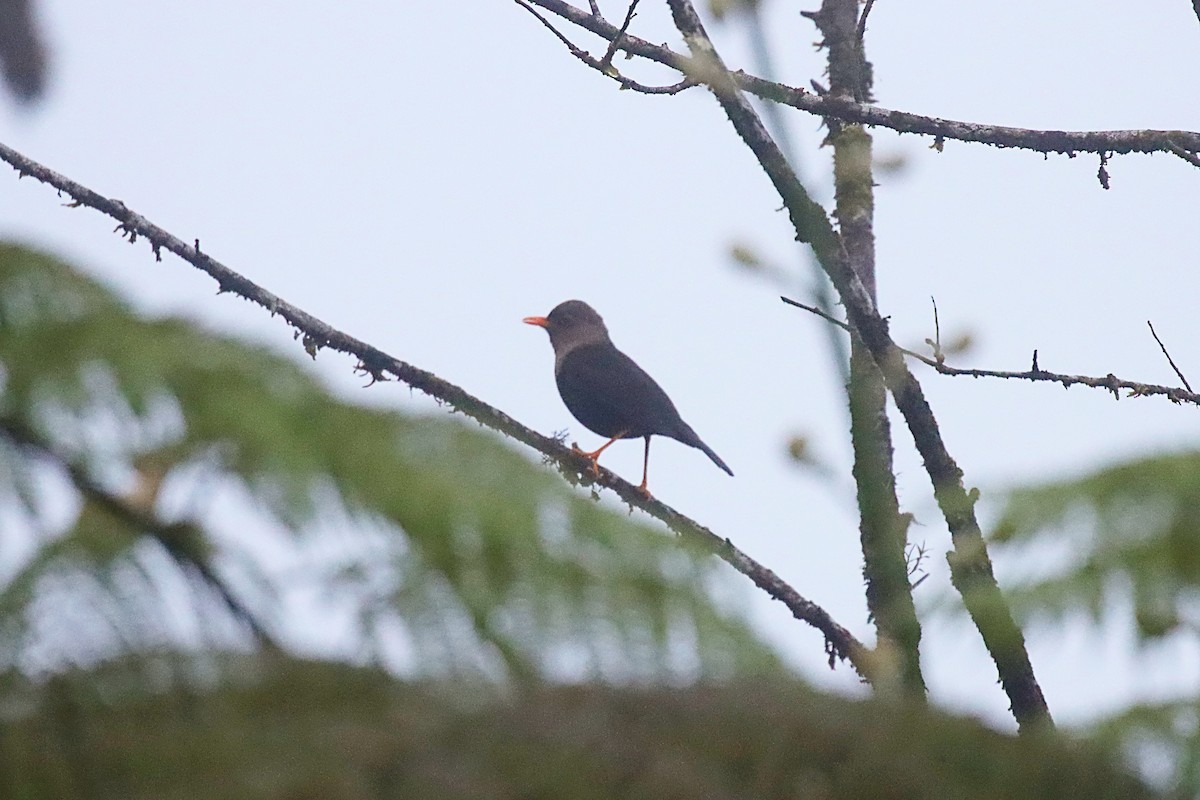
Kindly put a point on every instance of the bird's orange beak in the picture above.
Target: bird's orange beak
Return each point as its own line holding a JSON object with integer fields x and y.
{"x": 541, "y": 322}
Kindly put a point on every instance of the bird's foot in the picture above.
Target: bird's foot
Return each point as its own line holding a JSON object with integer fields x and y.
{"x": 594, "y": 458}
{"x": 643, "y": 491}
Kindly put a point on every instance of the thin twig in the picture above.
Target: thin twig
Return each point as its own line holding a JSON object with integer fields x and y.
{"x": 606, "y": 69}
{"x": 840, "y": 643}
{"x": 1163, "y": 347}
{"x": 819, "y": 312}
{"x": 1109, "y": 382}
{"x": 862, "y": 21}
{"x": 596, "y": 9}
{"x": 938, "y": 355}
{"x": 1042, "y": 141}
{"x": 606, "y": 62}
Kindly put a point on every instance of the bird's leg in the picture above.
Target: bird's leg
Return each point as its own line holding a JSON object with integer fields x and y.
{"x": 642, "y": 490}
{"x": 594, "y": 456}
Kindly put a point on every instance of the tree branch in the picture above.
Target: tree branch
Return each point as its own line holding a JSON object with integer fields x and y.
{"x": 970, "y": 567}
{"x": 883, "y": 529}
{"x": 604, "y": 66}
{"x": 861, "y": 30}
{"x": 1185, "y": 144}
{"x": 1163, "y": 347}
{"x": 839, "y": 642}
{"x": 1109, "y": 382}
{"x": 821, "y": 290}
{"x": 606, "y": 62}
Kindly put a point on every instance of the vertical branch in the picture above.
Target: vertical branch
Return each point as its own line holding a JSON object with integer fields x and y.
{"x": 970, "y": 567}
{"x": 883, "y": 530}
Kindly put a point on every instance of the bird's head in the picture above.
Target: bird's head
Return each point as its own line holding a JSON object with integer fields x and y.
{"x": 571, "y": 324}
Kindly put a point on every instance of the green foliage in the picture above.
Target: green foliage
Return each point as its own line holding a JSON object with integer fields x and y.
{"x": 1132, "y": 530}
{"x": 1164, "y": 735}
{"x": 289, "y": 729}
{"x": 1122, "y": 540}
{"x": 438, "y": 532}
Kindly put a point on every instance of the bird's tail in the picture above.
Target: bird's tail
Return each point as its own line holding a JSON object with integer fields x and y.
{"x": 688, "y": 436}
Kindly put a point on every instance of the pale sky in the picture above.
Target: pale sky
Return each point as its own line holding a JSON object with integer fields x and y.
{"x": 424, "y": 175}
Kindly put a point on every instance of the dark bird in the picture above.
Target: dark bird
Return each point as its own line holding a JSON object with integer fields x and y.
{"x": 605, "y": 390}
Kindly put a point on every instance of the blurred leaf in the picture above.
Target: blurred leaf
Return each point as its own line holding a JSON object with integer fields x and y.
{"x": 892, "y": 163}
{"x": 1131, "y": 531}
{"x": 799, "y": 449}
{"x": 1164, "y": 736}
{"x": 959, "y": 344}
{"x": 1121, "y": 544}
{"x": 22, "y": 51}
{"x": 744, "y": 255}
{"x": 722, "y": 8}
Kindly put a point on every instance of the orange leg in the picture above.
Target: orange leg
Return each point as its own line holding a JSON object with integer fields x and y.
{"x": 645, "y": 470}
{"x": 594, "y": 456}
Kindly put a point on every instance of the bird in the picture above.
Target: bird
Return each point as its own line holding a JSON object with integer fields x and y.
{"x": 606, "y": 390}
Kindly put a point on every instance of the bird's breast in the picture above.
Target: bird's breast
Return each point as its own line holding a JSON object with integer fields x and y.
{"x": 611, "y": 395}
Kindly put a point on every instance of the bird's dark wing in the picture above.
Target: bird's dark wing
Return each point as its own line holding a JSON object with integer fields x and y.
{"x": 610, "y": 394}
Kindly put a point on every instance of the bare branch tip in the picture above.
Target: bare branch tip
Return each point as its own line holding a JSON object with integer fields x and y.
{"x": 862, "y": 22}
{"x": 606, "y": 61}
{"x": 1170, "y": 360}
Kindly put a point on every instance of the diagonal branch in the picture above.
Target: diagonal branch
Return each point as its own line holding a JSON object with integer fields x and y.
{"x": 1191, "y": 157}
{"x": 821, "y": 290}
{"x": 606, "y": 62}
{"x": 1185, "y": 144}
{"x": 970, "y": 567}
{"x": 1163, "y": 347}
{"x": 177, "y": 538}
{"x": 861, "y": 29}
{"x": 840, "y": 643}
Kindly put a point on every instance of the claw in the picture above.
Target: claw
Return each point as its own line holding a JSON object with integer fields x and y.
{"x": 594, "y": 458}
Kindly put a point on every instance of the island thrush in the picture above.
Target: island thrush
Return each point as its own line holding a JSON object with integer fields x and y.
{"x": 605, "y": 390}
